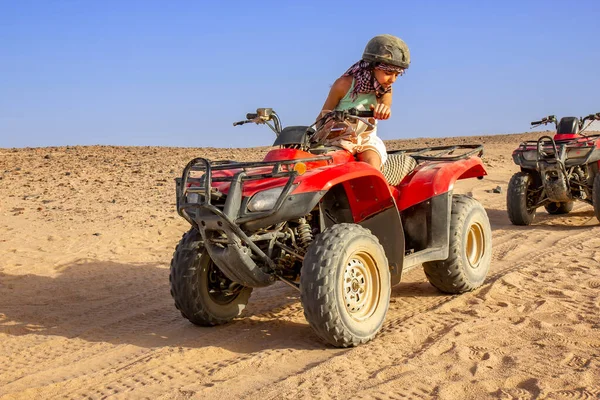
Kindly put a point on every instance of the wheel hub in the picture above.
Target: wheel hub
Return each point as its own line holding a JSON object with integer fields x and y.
{"x": 220, "y": 289}
{"x": 360, "y": 286}
{"x": 475, "y": 248}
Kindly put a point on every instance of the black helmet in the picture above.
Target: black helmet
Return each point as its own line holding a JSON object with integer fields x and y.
{"x": 387, "y": 49}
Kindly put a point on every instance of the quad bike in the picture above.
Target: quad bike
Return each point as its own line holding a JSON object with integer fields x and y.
{"x": 337, "y": 230}
{"x": 555, "y": 171}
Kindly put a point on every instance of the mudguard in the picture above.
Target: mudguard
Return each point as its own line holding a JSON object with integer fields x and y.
{"x": 366, "y": 188}
{"x": 433, "y": 178}
{"x": 359, "y": 194}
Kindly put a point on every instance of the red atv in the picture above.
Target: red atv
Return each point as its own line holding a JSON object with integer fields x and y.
{"x": 337, "y": 230}
{"x": 555, "y": 171}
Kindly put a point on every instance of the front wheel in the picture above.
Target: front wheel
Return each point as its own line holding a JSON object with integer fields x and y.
{"x": 201, "y": 292}
{"x": 521, "y": 199}
{"x": 559, "y": 208}
{"x": 470, "y": 252}
{"x": 345, "y": 285}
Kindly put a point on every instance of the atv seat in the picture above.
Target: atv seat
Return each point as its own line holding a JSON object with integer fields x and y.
{"x": 396, "y": 167}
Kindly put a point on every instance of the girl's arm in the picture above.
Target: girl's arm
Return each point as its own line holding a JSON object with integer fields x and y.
{"x": 337, "y": 92}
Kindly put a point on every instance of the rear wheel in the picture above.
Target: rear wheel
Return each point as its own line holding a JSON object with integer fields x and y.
{"x": 559, "y": 208}
{"x": 521, "y": 198}
{"x": 345, "y": 285}
{"x": 470, "y": 249}
{"x": 201, "y": 292}
{"x": 596, "y": 195}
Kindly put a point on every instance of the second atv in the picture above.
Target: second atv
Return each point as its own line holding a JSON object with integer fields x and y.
{"x": 339, "y": 231}
{"x": 555, "y": 171}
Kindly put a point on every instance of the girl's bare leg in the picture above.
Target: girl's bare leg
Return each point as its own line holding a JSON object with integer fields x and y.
{"x": 370, "y": 157}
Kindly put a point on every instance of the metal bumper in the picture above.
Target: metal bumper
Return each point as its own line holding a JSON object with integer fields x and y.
{"x": 237, "y": 257}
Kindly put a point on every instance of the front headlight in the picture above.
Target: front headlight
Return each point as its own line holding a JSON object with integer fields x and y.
{"x": 265, "y": 200}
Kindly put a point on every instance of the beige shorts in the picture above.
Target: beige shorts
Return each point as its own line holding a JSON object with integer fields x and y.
{"x": 353, "y": 137}
{"x": 371, "y": 142}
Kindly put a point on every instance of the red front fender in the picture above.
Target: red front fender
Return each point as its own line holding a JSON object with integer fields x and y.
{"x": 434, "y": 178}
{"x": 366, "y": 188}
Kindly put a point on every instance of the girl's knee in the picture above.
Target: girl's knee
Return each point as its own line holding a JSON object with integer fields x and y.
{"x": 370, "y": 157}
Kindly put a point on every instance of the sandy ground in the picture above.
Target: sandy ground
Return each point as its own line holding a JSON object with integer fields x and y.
{"x": 86, "y": 237}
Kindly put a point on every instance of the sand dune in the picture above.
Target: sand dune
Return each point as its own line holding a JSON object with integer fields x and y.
{"x": 87, "y": 234}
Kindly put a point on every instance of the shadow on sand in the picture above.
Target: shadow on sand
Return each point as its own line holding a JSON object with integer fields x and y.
{"x": 130, "y": 304}
{"x": 575, "y": 220}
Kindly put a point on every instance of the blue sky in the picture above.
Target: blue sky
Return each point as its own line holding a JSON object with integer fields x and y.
{"x": 178, "y": 73}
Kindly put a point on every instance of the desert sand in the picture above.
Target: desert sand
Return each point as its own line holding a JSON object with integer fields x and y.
{"x": 86, "y": 238}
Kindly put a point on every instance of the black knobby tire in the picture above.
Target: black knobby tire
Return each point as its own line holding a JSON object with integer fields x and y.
{"x": 396, "y": 167}
{"x": 596, "y": 195}
{"x": 470, "y": 253}
{"x": 559, "y": 208}
{"x": 345, "y": 285}
{"x": 516, "y": 199}
{"x": 196, "y": 284}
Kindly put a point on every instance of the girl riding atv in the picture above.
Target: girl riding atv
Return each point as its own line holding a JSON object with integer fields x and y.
{"x": 366, "y": 84}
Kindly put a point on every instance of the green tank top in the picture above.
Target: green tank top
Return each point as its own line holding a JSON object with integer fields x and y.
{"x": 364, "y": 99}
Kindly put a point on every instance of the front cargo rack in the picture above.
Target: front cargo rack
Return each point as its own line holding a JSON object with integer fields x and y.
{"x": 197, "y": 178}
{"x": 577, "y": 151}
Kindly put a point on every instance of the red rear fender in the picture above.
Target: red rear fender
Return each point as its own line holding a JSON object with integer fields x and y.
{"x": 434, "y": 178}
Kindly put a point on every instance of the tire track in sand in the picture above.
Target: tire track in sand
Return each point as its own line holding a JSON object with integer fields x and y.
{"x": 153, "y": 367}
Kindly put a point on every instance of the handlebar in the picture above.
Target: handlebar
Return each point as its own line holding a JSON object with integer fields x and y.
{"x": 591, "y": 117}
{"x": 545, "y": 120}
{"x": 265, "y": 116}
{"x": 250, "y": 117}
{"x": 351, "y": 112}
{"x": 359, "y": 113}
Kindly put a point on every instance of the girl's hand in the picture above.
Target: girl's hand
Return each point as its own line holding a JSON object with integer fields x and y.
{"x": 381, "y": 111}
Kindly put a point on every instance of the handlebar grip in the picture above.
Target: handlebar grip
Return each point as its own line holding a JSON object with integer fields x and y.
{"x": 251, "y": 115}
{"x": 537, "y": 122}
{"x": 360, "y": 113}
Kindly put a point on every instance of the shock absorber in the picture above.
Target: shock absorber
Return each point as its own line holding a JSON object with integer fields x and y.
{"x": 304, "y": 233}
